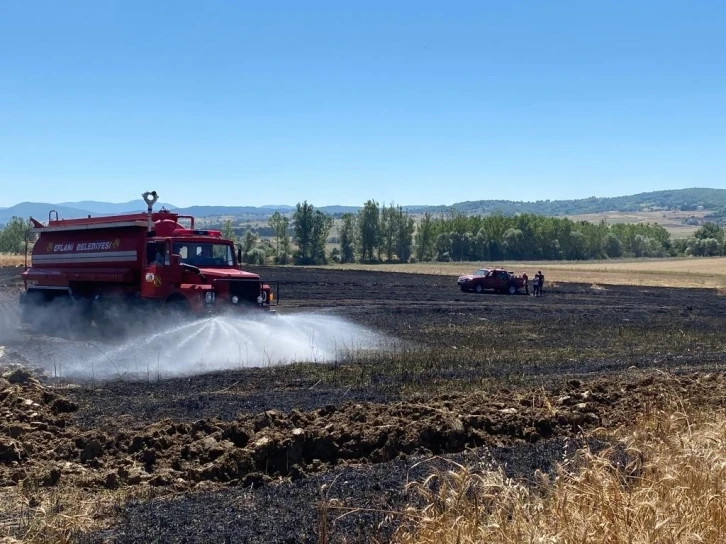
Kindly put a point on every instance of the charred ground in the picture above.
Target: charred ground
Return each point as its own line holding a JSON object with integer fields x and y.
{"x": 512, "y": 379}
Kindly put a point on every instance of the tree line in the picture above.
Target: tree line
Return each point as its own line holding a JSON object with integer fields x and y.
{"x": 390, "y": 234}
{"x": 460, "y": 237}
{"x": 375, "y": 234}
{"x": 380, "y": 233}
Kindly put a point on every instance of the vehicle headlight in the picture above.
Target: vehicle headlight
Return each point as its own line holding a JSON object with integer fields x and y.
{"x": 235, "y": 299}
{"x": 209, "y": 297}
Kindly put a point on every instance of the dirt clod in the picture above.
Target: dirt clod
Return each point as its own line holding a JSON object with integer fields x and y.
{"x": 92, "y": 450}
{"x": 10, "y": 451}
{"x": 111, "y": 481}
{"x": 64, "y": 406}
{"x": 21, "y": 376}
{"x": 52, "y": 477}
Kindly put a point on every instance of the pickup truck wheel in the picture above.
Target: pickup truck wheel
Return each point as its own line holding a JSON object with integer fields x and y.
{"x": 478, "y": 288}
{"x": 512, "y": 290}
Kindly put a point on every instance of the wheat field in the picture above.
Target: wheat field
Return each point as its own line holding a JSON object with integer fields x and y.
{"x": 699, "y": 272}
{"x": 671, "y": 490}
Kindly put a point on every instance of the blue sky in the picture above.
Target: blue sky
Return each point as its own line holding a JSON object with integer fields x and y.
{"x": 337, "y": 102}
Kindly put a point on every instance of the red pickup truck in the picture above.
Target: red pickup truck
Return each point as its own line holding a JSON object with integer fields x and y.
{"x": 496, "y": 279}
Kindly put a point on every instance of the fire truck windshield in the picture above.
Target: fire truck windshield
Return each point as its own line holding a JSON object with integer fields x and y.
{"x": 204, "y": 253}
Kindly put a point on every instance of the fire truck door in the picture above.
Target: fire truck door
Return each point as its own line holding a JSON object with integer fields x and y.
{"x": 156, "y": 275}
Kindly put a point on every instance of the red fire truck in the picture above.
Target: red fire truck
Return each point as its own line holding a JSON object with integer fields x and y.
{"x": 100, "y": 264}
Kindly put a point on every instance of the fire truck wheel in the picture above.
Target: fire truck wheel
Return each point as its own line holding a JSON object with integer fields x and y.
{"x": 178, "y": 304}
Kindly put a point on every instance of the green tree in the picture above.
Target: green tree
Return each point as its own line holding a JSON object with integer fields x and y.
{"x": 443, "y": 246}
{"x": 611, "y": 246}
{"x": 405, "y": 226}
{"x": 425, "y": 234}
{"x": 249, "y": 244}
{"x": 347, "y": 238}
{"x": 322, "y": 225}
{"x": 513, "y": 243}
{"x": 388, "y": 231}
{"x": 228, "y": 231}
{"x": 577, "y": 246}
{"x": 312, "y": 228}
{"x": 481, "y": 245}
{"x": 710, "y": 230}
{"x": 640, "y": 246}
{"x": 283, "y": 257}
{"x": 12, "y": 237}
{"x": 369, "y": 230}
{"x": 459, "y": 242}
{"x": 279, "y": 225}
{"x": 302, "y": 222}
{"x": 704, "y": 247}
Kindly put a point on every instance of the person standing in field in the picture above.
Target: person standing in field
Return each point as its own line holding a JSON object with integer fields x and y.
{"x": 526, "y": 283}
{"x": 538, "y": 282}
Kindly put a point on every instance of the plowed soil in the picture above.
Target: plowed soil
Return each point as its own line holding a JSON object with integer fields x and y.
{"x": 280, "y": 454}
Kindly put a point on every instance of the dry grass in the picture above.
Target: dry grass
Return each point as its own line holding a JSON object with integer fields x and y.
{"x": 34, "y": 514}
{"x": 699, "y": 272}
{"x": 11, "y": 260}
{"x": 668, "y": 488}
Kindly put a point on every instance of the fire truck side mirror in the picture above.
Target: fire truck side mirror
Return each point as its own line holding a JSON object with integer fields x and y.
{"x": 175, "y": 259}
{"x": 239, "y": 254}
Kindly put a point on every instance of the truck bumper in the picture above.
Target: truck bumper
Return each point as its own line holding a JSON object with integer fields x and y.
{"x": 235, "y": 305}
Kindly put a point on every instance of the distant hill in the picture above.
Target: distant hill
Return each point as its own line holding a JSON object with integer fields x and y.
{"x": 682, "y": 199}
{"x": 71, "y": 210}
{"x": 339, "y": 210}
{"x": 281, "y": 208}
{"x": 224, "y": 211}
{"x": 39, "y": 210}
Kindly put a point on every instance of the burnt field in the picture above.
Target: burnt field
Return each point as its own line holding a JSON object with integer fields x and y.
{"x": 289, "y": 453}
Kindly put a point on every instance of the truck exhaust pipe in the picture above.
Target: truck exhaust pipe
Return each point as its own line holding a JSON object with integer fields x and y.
{"x": 150, "y": 198}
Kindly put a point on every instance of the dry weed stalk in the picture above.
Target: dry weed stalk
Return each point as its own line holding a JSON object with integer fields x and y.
{"x": 33, "y": 514}
{"x": 665, "y": 483}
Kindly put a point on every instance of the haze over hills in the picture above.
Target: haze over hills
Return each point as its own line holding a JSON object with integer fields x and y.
{"x": 682, "y": 199}
{"x": 106, "y": 208}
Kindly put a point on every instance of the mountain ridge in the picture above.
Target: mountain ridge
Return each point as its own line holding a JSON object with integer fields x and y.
{"x": 683, "y": 199}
